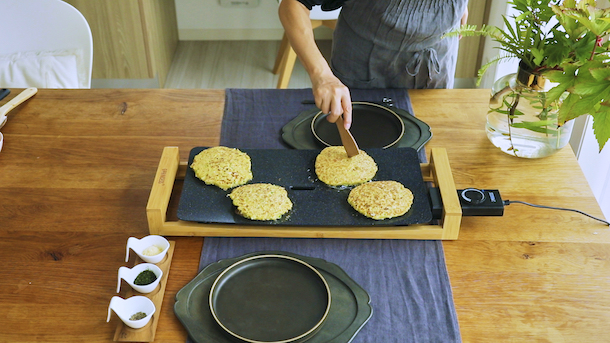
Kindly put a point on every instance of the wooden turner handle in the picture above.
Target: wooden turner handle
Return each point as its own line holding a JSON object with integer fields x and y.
{"x": 348, "y": 141}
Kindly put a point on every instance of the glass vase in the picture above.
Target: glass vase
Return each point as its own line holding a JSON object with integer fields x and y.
{"x": 520, "y": 121}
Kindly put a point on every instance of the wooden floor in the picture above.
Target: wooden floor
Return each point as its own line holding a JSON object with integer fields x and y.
{"x": 232, "y": 64}
{"x": 240, "y": 64}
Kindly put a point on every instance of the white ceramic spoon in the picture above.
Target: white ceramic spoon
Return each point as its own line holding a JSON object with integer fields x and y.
{"x": 130, "y": 275}
{"x": 125, "y": 308}
{"x": 139, "y": 245}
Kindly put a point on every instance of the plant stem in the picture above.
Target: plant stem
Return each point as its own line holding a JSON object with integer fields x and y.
{"x": 511, "y": 115}
{"x": 597, "y": 39}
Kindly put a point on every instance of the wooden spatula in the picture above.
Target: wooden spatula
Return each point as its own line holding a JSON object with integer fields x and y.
{"x": 14, "y": 102}
{"x": 348, "y": 141}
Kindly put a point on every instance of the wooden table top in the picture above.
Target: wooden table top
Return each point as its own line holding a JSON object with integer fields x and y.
{"x": 76, "y": 171}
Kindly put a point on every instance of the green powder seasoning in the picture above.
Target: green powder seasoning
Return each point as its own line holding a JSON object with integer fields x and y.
{"x": 146, "y": 277}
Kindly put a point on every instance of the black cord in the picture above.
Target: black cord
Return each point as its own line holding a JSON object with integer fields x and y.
{"x": 508, "y": 202}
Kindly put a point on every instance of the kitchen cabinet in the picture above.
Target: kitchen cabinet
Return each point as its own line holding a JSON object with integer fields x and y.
{"x": 132, "y": 39}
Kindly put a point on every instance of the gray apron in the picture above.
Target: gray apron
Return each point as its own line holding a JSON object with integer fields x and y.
{"x": 396, "y": 43}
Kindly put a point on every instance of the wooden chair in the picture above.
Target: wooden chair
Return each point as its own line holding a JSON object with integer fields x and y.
{"x": 286, "y": 57}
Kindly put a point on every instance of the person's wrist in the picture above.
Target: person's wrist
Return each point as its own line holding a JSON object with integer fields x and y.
{"x": 321, "y": 75}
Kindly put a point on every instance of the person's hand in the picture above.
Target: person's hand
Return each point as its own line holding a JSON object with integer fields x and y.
{"x": 464, "y": 19}
{"x": 333, "y": 97}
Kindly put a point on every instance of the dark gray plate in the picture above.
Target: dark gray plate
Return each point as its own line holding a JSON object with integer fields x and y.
{"x": 375, "y": 129}
{"x": 258, "y": 299}
{"x": 350, "y": 308}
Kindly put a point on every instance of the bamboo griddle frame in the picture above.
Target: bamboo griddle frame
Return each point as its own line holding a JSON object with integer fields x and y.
{"x": 437, "y": 171}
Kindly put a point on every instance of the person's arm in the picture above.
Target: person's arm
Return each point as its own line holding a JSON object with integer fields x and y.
{"x": 331, "y": 96}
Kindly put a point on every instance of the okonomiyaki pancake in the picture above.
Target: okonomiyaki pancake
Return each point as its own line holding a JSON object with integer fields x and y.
{"x": 223, "y": 167}
{"x": 261, "y": 201}
{"x": 381, "y": 199}
{"x": 335, "y": 168}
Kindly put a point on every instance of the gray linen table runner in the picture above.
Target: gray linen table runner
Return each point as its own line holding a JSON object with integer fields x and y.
{"x": 407, "y": 280}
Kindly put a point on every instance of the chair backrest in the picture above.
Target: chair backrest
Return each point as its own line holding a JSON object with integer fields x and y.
{"x": 41, "y": 44}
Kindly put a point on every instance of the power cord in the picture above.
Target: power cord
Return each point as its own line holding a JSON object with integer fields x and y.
{"x": 508, "y": 202}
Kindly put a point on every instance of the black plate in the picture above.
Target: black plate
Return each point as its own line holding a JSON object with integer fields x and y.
{"x": 350, "y": 308}
{"x": 299, "y": 135}
{"x": 373, "y": 126}
{"x": 314, "y": 203}
{"x": 258, "y": 298}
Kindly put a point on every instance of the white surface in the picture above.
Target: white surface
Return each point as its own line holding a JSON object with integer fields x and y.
{"x": 596, "y": 166}
{"x": 316, "y": 13}
{"x": 45, "y": 26}
{"x": 43, "y": 69}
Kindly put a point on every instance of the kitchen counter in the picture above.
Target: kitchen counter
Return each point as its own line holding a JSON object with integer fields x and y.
{"x": 77, "y": 167}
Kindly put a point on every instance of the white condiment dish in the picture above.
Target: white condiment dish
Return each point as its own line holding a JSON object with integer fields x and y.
{"x": 140, "y": 245}
{"x": 130, "y": 275}
{"x": 125, "y": 308}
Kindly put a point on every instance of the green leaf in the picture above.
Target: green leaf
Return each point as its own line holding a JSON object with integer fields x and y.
{"x": 601, "y": 126}
{"x": 557, "y": 92}
{"x": 575, "y": 105}
{"x": 486, "y": 66}
{"x": 538, "y": 126}
{"x": 565, "y": 111}
{"x": 522, "y": 16}
{"x": 584, "y": 88}
{"x": 569, "y": 3}
{"x": 567, "y": 75}
{"x": 538, "y": 56}
{"x": 600, "y": 74}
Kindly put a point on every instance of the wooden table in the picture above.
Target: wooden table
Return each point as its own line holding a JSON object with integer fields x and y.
{"x": 76, "y": 171}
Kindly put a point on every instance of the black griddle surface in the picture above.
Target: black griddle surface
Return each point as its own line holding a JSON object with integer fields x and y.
{"x": 314, "y": 203}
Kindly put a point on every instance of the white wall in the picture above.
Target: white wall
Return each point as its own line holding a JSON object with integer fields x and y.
{"x": 207, "y": 20}
{"x": 595, "y": 165}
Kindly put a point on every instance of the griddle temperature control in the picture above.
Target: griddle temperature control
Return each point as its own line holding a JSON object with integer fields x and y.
{"x": 474, "y": 202}
{"x": 481, "y": 202}
{"x": 473, "y": 196}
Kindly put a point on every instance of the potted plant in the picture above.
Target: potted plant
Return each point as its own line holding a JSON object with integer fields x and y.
{"x": 564, "y": 72}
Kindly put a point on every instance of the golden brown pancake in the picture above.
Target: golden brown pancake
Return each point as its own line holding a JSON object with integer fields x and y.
{"x": 223, "y": 167}
{"x": 381, "y": 199}
{"x": 261, "y": 201}
{"x": 335, "y": 168}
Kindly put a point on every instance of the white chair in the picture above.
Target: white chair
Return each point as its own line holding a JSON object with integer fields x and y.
{"x": 286, "y": 57}
{"x": 44, "y": 44}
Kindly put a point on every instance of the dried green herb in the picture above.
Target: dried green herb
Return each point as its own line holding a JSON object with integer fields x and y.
{"x": 146, "y": 277}
{"x": 138, "y": 316}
